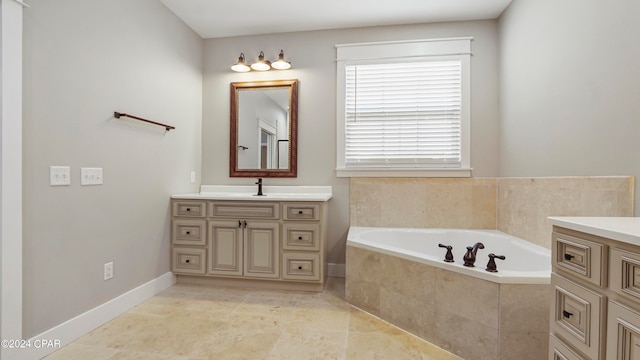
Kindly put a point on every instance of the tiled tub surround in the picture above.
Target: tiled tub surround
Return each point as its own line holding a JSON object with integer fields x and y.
{"x": 410, "y": 294}
{"x": 467, "y": 315}
{"x": 517, "y": 206}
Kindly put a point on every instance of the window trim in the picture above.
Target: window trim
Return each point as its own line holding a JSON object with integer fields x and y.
{"x": 411, "y": 50}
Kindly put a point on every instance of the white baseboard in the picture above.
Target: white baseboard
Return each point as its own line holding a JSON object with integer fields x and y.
{"x": 336, "y": 270}
{"x": 83, "y": 323}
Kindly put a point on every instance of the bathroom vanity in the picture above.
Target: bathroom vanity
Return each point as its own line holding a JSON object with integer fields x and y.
{"x": 595, "y": 306}
{"x": 228, "y": 235}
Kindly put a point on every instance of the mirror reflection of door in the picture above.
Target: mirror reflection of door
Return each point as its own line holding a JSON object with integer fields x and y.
{"x": 268, "y": 155}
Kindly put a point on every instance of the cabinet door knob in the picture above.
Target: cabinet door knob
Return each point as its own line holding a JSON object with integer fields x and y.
{"x": 566, "y": 314}
{"x": 299, "y": 237}
{"x": 188, "y": 232}
{"x": 299, "y": 212}
{"x": 188, "y": 209}
{"x": 568, "y": 256}
{"x": 299, "y": 267}
{"x": 187, "y": 261}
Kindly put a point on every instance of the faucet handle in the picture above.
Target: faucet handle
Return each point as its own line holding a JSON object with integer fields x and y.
{"x": 449, "y": 256}
{"x": 491, "y": 265}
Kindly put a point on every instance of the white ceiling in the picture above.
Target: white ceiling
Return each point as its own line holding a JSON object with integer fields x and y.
{"x": 223, "y": 18}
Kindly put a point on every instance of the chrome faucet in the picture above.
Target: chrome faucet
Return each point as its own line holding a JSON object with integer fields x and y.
{"x": 470, "y": 257}
{"x": 259, "y": 183}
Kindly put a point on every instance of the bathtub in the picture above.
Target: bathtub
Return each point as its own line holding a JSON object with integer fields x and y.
{"x": 399, "y": 275}
{"x": 525, "y": 262}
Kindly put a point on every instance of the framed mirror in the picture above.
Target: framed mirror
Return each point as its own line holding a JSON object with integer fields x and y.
{"x": 264, "y": 129}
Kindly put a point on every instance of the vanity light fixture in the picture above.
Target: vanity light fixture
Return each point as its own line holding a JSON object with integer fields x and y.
{"x": 261, "y": 64}
{"x": 281, "y": 63}
{"x": 241, "y": 66}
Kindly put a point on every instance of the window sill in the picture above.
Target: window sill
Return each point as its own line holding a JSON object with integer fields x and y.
{"x": 425, "y": 173}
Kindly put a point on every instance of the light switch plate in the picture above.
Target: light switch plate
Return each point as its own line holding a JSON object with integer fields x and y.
{"x": 59, "y": 175}
{"x": 91, "y": 176}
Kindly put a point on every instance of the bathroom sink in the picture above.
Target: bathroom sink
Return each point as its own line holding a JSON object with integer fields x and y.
{"x": 271, "y": 193}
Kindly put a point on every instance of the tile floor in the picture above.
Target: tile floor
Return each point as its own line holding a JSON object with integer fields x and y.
{"x": 188, "y": 322}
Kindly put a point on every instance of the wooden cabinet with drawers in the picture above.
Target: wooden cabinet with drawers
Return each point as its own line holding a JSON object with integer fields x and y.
{"x": 242, "y": 241}
{"x": 595, "y": 306}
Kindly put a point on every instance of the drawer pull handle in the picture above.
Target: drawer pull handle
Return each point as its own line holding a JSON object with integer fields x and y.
{"x": 299, "y": 212}
{"x": 566, "y": 314}
{"x": 299, "y": 267}
{"x": 188, "y": 232}
{"x": 299, "y": 237}
{"x": 568, "y": 257}
{"x": 188, "y": 209}
{"x": 187, "y": 261}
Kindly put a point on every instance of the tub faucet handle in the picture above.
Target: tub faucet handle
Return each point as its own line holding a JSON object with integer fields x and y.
{"x": 491, "y": 265}
{"x": 449, "y": 256}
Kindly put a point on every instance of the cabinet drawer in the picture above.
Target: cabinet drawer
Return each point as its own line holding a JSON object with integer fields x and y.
{"x": 579, "y": 257}
{"x": 576, "y": 316}
{"x": 188, "y": 260}
{"x": 559, "y": 351}
{"x": 189, "y": 209}
{"x": 625, "y": 273}
{"x": 623, "y": 332}
{"x": 296, "y": 211}
{"x": 189, "y": 232}
{"x": 241, "y": 210}
{"x": 300, "y": 266}
{"x": 301, "y": 236}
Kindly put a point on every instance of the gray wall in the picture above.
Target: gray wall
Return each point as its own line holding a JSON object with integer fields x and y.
{"x": 313, "y": 56}
{"x": 570, "y": 88}
{"x": 83, "y": 60}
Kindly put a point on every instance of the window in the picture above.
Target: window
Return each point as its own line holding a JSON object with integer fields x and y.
{"x": 406, "y": 114}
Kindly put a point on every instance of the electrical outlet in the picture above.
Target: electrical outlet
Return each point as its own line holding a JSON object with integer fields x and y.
{"x": 59, "y": 175}
{"x": 193, "y": 176}
{"x": 91, "y": 176}
{"x": 108, "y": 270}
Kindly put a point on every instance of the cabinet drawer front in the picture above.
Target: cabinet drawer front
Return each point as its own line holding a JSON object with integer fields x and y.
{"x": 623, "y": 332}
{"x": 295, "y": 211}
{"x": 576, "y": 316}
{"x": 579, "y": 257}
{"x": 625, "y": 273}
{"x": 189, "y": 232}
{"x": 298, "y": 266}
{"x": 188, "y": 260}
{"x": 301, "y": 236}
{"x": 189, "y": 208}
{"x": 242, "y": 210}
{"x": 559, "y": 351}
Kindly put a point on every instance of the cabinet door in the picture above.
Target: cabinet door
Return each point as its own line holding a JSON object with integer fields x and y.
{"x": 262, "y": 249}
{"x": 225, "y": 248}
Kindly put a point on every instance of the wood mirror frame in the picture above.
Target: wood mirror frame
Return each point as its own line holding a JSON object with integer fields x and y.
{"x": 292, "y": 154}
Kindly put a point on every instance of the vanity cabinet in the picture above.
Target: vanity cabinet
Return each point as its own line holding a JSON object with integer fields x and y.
{"x": 248, "y": 241}
{"x": 595, "y": 305}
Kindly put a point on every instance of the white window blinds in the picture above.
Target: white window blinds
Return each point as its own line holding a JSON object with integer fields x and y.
{"x": 403, "y": 114}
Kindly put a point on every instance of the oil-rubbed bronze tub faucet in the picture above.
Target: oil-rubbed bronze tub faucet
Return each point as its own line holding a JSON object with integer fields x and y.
{"x": 470, "y": 257}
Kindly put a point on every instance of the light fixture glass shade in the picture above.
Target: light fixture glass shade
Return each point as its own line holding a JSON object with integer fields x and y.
{"x": 240, "y": 66}
{"x": 281, "y": 63}
{"x": 261, "y": 64}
